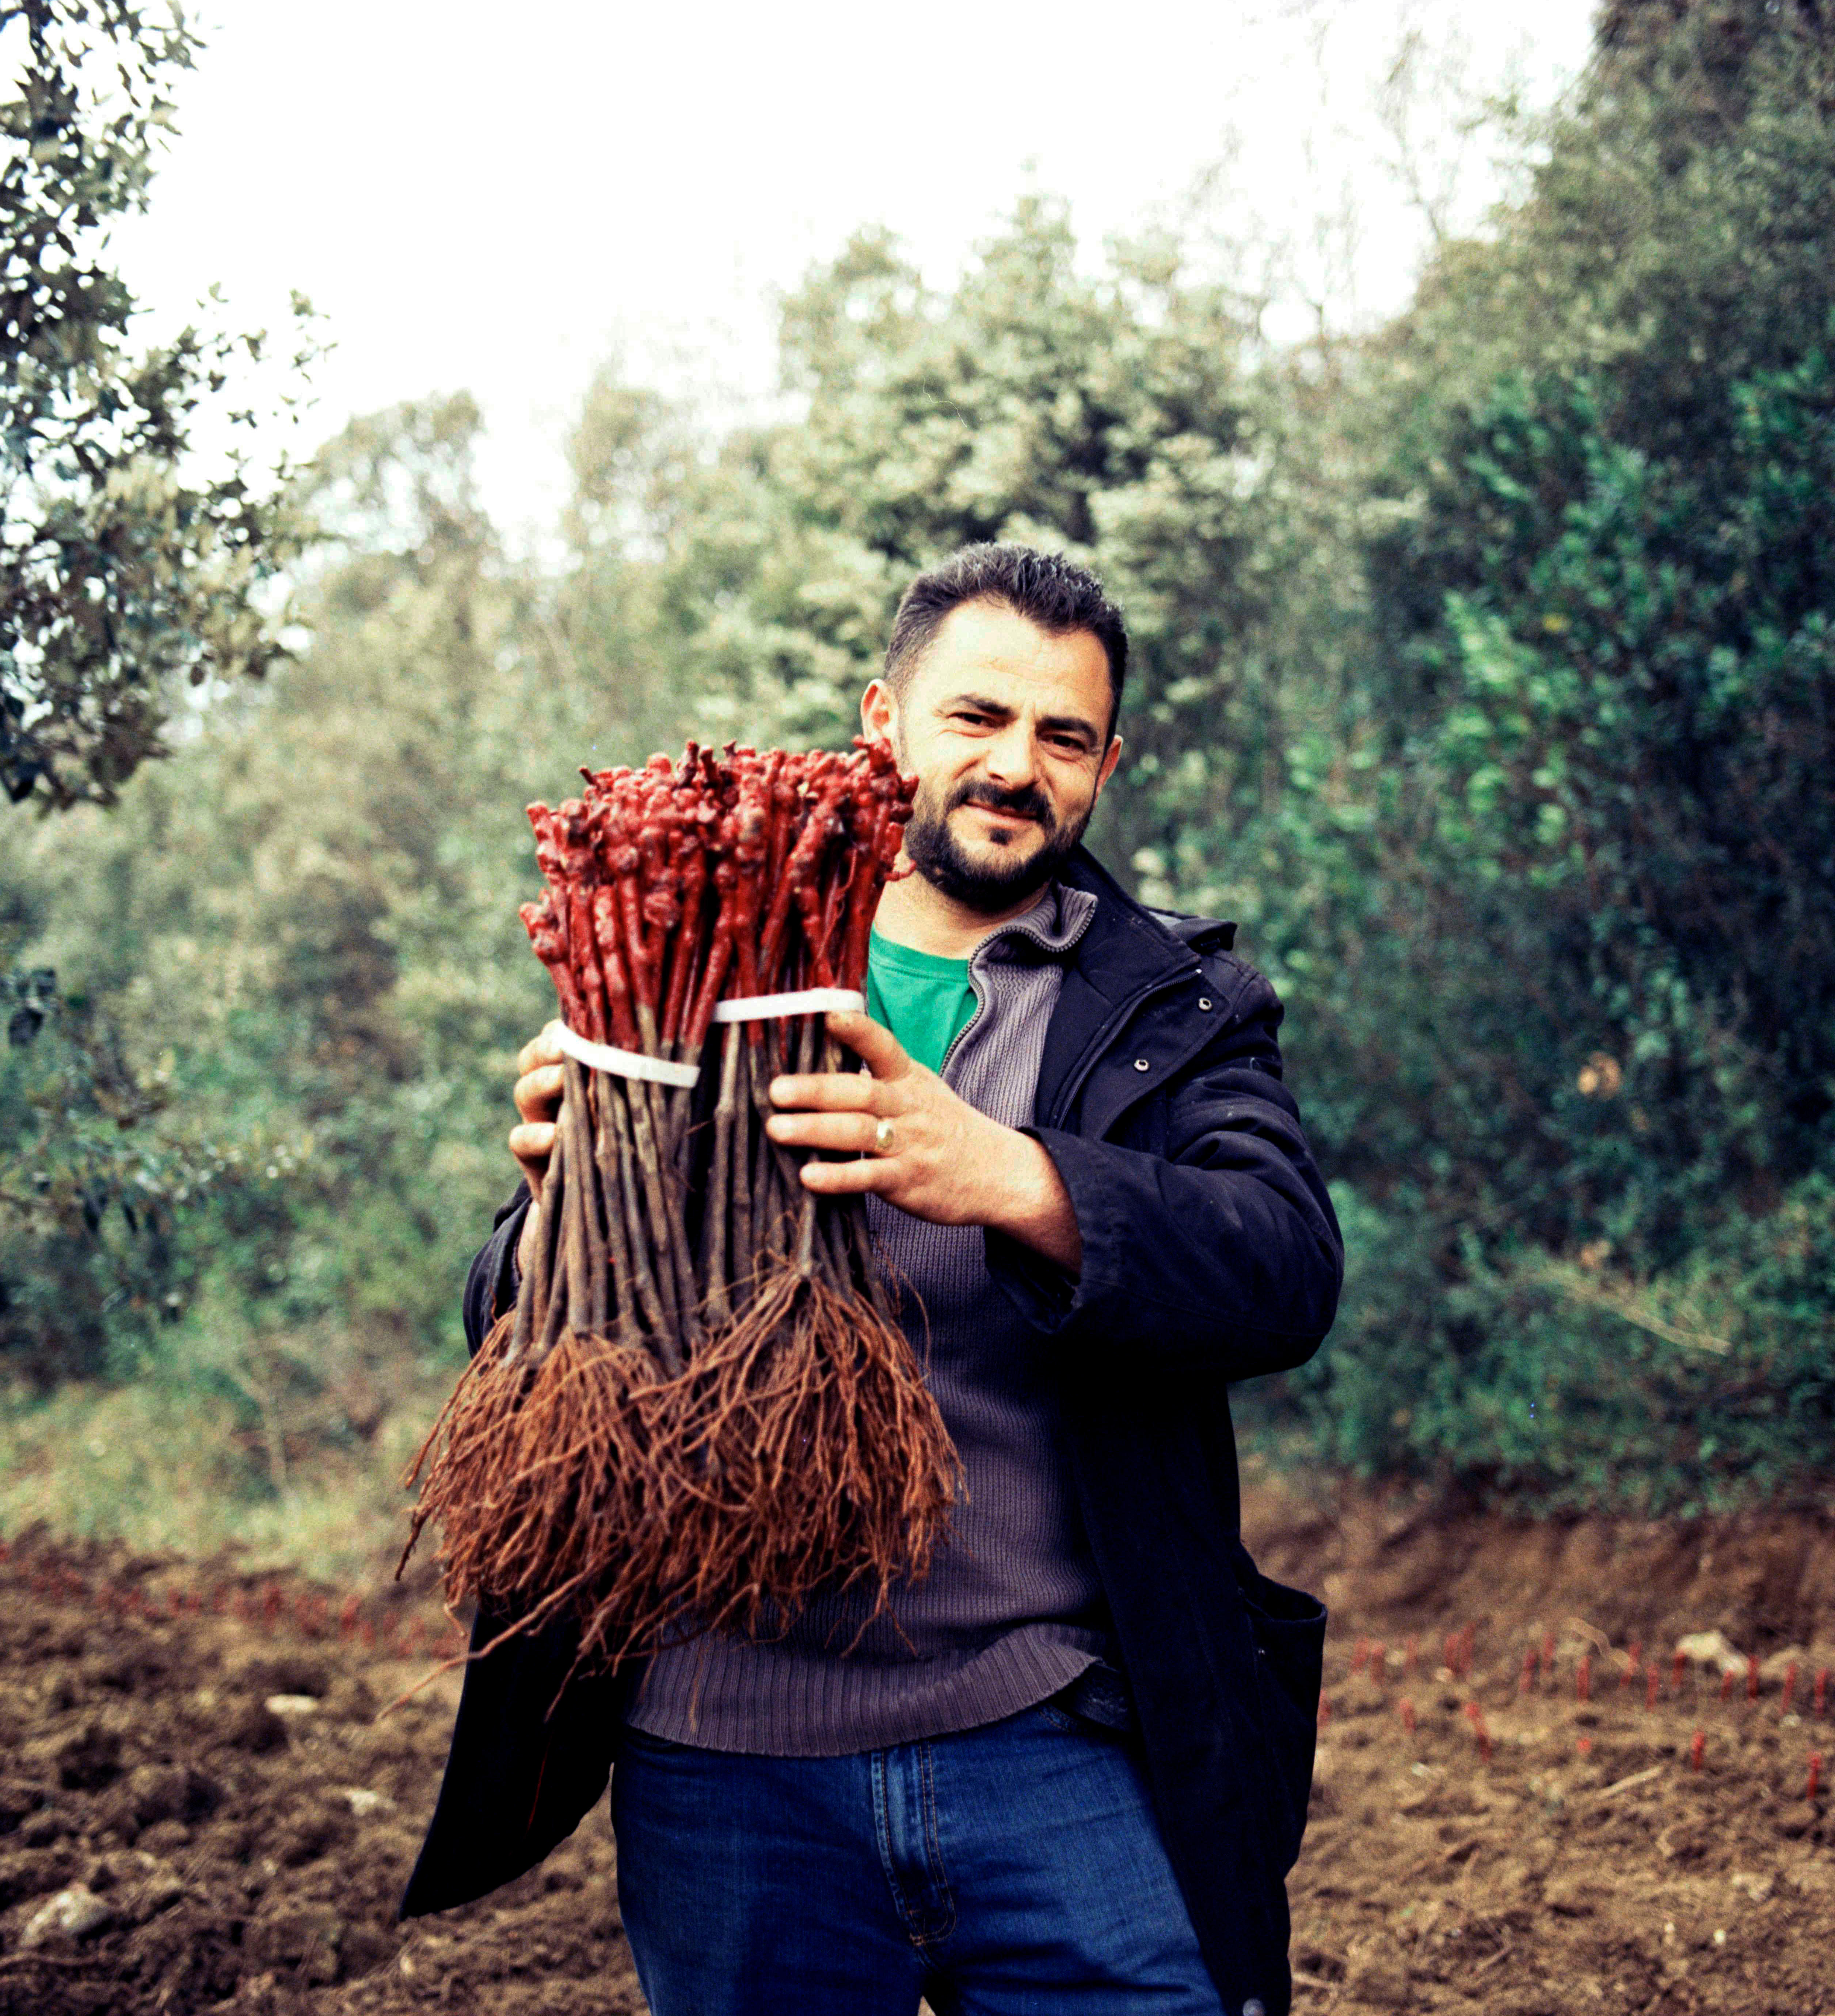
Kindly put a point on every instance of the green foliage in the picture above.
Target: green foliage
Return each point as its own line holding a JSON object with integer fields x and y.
{"x": 112, "y": 1195}
{"x": 1551, "y": 1387}
{"x": 1630, "y": 754}
{"x": 85, "y": 1204}
{"x": 1592, "y": 1065}
{"x": 1113, "y": 416}
{"x": 303, "y": 927}
{"x": 1609, "y": 614}
{"x": 124, "y": 573}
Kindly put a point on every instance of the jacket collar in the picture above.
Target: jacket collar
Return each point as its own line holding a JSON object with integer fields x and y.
{"x": 1126, "y": 952}
{"x": 1126, "y": 946}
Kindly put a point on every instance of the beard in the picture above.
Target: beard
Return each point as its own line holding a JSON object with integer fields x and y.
{"x": 988, "y": 885}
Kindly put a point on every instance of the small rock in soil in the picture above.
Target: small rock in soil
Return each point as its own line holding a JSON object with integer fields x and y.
{"x": 76, "y": 1913}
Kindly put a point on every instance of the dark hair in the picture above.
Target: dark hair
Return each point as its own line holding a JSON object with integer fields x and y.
{"x": 1057, "y": 594}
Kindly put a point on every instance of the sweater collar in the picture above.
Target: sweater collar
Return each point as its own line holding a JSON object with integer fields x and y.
{"x": 1052, "y": 927}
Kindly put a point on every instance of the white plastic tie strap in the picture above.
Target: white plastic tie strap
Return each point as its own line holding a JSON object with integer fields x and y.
{"x": 625, "y": 1064}
{"x": 806, "y": 1001}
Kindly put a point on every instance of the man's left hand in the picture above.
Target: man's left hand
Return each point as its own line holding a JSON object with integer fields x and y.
{"x": 942, "y": 1159}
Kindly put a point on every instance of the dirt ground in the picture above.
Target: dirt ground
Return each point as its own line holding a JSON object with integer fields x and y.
{"x": 198, "y": 1808}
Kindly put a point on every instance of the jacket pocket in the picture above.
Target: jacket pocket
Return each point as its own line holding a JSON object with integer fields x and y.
{"x": 1288, "y": 1628}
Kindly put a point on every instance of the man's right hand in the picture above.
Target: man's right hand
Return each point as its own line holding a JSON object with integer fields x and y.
{"x": 537, "y": 1096}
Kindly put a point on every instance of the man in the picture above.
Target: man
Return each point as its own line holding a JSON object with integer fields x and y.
{"x": 1072, "y": 1775}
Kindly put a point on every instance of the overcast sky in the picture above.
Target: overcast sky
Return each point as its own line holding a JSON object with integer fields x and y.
{"x": 496, "y": 198}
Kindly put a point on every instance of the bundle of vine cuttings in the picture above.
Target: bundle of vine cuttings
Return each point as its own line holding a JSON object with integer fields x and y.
{"x": 701, "y": 1409}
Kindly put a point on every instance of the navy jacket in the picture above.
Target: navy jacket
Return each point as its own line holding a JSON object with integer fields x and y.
{"x": 1210, "y": 1254}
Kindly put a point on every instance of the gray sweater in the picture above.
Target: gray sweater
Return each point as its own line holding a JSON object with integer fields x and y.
{"x": 1012, "y": 1611}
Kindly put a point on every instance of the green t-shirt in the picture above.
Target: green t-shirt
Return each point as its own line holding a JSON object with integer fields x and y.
{"x": 925, "y": 1001}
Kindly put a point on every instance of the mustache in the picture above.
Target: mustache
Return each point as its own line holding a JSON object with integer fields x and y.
{"x": 1026, "y": 801}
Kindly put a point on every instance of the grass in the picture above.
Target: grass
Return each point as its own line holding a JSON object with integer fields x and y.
{"x": 172, "y": 1468}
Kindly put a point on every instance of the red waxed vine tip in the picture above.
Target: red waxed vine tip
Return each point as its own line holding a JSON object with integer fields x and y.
{"x": 701, "y": 1405}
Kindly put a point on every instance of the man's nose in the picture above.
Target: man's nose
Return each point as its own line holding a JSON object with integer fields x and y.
{"x": 1009, "y": 757}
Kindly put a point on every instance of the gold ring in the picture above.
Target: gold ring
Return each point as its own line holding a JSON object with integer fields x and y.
{"x": 883, "y": 1136}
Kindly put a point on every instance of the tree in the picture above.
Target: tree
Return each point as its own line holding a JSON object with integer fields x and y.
{"x": 304, "y": 923}
{"x": 1609, "y": 612}
{"x": 1117, "y": 415}
{"x": 1595, "y": 1043}
{"x": 124, "y": 572}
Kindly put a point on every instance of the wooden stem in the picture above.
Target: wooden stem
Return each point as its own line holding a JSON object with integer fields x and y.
{"x": 612, "y": 1186}
{"x": 553, "y": 1246}
{"x": 714, "y": 1246}
{"x": 576, "y": 1108}
{"x": 633, "y": 1190}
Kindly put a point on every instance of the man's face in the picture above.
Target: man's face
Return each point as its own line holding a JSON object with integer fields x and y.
{"x": 1007, "y": 728}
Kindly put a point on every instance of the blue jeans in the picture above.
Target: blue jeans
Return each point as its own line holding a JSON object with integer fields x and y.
{"x": 1012, "y": 1870}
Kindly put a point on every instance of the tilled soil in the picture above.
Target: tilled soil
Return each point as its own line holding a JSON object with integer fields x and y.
{"x": 199, "y": 1810}
{"x": 212, "y": 1801}
{"x": 1524, "y": 1851}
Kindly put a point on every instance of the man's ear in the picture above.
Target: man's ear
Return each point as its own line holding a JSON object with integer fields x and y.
{"x": 1111, "y": 756}
{"x": 879, "y": 713}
